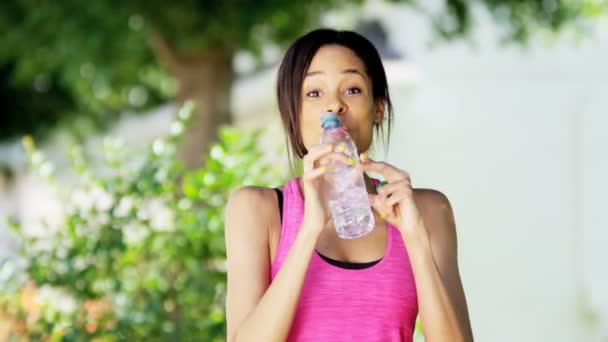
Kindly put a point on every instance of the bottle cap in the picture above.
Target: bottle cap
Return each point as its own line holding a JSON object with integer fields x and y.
{"x": 329, "y": 120}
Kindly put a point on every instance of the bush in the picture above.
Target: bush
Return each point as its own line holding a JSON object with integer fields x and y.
{"x": 139, "y": 252}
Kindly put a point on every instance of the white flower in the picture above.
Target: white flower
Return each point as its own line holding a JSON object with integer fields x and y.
{"x": 57, "y": 298}
{"x": 102, "y": 199}
{"x": 184, "y": 204}
{"x": 160, "y": 216}
{"x": 102, "y": 285}
{"x": 124, "y": 207}
{"x": 37, "y": 157}
{"x": 46, "y": 169}
{"x": 162, "y": 219}
{"x": 134, "y": 232}
{"x": 81, "y": 201}
{"x": 102, "y": 219}
{"x": 158, "y": 146}
{"x": 80, "y": 263}
{"x": 11, "y": 269}
{"x": 120, "y": 301}
{"x": 42, "y": 245}
{"x": 177, "y": 128}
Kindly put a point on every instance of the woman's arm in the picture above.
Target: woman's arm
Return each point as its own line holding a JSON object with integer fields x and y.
{"x": 441, "y": 300}
{"x": 426, "y": 222}
{"x": 258, "y": 310}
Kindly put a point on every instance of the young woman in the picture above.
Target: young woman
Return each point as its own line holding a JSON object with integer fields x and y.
{"x": 290, "y": 277}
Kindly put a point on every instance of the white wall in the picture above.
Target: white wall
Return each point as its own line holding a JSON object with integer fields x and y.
{"x": 517, "y": 141}
{"x": 593, "y": 184}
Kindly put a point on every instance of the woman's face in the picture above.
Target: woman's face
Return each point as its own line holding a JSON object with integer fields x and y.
{"x": 336, "y": 81}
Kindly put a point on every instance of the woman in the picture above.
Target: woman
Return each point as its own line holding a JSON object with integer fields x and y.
{"x": 289, "y": 276}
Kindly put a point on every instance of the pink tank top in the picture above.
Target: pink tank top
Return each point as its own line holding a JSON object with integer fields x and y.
{"x": 378, "y": 303}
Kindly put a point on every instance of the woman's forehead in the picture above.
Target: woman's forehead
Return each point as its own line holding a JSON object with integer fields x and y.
{"x": 335, "y": 57}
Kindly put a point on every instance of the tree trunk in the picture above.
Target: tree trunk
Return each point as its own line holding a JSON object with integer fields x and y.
{"x": 207, "y": 80}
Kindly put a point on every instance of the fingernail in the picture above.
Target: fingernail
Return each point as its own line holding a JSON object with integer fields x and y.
{"x": 341, "y": 148}
{"x": 382, "y": 215}
{"x": 351, "y": 161}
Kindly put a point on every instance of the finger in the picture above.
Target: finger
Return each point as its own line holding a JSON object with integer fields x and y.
{"x": 315, "y": 153}
{"x": 396, "y": 198}
{"x": 379, "y": 206}
{"x": 336, "y": 157}
{"x": 310, "y": 175}
{"x": 387, "y": 189}
{"x": 341, "y": 157}
{"x": 382, "y": 194}
{"x": 320, "y": 155}
{"x": 389, "y": 172}
{"x": 363, "y": 157}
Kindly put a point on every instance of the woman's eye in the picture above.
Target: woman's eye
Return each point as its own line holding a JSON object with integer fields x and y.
{"x": 314, "y": 93}
{"x": 354, "y": 90}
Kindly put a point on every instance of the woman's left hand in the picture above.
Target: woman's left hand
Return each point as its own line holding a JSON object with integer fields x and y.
{"x": 395, "y": 200}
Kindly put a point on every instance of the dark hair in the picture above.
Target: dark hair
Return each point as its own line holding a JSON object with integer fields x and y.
{"x": 292, "y": 72}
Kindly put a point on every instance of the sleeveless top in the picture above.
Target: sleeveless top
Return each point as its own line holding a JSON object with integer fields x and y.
{"x": 376, "y": 303}
{"x": 343, "y": 264}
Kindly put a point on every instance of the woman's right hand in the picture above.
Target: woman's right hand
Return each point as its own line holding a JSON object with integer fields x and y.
{"x": 316, "y": 213}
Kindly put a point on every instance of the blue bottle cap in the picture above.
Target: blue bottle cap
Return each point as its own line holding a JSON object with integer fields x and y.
{"x": 329, "y": 120}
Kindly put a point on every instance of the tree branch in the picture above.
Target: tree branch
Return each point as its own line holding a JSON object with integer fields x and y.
{"x": 165, "y": 53}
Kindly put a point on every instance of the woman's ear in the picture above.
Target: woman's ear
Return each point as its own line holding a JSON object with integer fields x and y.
{"x": 379, "y": 111}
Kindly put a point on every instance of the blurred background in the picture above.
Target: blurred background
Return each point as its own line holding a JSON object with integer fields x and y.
{"x": 125, "y": 125}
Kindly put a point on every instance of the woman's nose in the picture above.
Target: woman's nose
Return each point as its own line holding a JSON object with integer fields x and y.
{"x": 336, "y": 106}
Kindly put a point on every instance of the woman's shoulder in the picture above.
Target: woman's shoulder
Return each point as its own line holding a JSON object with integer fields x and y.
{"x": 251, "y": 197}
{"x": 436, "y": 211}
{"x": 255, "y": 205}
{"x": 430, "y": 198}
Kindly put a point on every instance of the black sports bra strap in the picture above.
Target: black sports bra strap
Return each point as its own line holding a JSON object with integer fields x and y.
{"x": 342, "y": 264}
{"x": 280, "y": 200}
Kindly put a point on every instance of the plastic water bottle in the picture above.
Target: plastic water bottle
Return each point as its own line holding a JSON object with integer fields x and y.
{"x": 345, "y": 190}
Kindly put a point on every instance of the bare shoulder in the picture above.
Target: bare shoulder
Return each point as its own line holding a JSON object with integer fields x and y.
{"x": 252, "y": 204}
{"x": 250, "y": 195}
{"x": 436, "y": 211}
{"x": 431, "y": 199}
{"x": 248, "y": 218}
{"x": 438, "y": 218}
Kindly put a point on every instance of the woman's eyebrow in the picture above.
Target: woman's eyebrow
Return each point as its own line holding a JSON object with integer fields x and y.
{"x": 346, "y": 71}
{"x": 353, "y": 71}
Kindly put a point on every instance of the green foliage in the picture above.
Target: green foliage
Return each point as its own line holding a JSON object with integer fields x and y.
{"x": 97, "y": 58}
{"x": 62, "y": 60}
{"x": 138, "y": 251}
{"x": 78, "y": 59}
{"x": 523, "y": 18}
{"x": 193, "y": 26}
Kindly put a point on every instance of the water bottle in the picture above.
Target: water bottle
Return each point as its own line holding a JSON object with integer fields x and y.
{"x": 345, "y": 190}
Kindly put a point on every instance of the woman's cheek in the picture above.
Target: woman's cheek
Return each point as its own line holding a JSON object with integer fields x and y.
{"x": 311, "y": 132}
